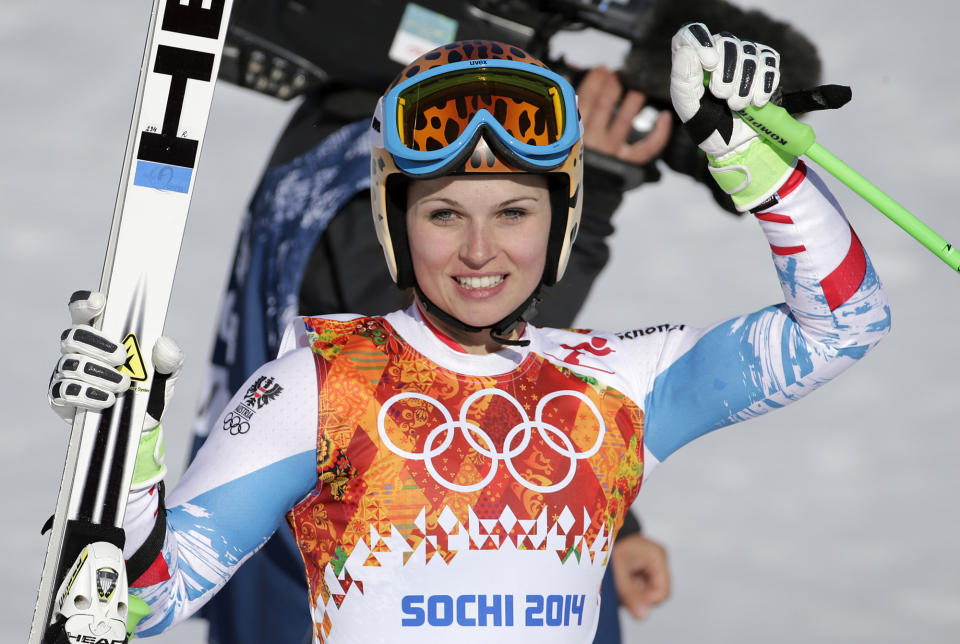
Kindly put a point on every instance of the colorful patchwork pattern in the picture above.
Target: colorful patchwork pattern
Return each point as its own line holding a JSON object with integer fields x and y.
{"x": 419, "y": 463}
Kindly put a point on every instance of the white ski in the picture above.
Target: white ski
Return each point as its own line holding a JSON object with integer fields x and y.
{"x": 177, "y": 75}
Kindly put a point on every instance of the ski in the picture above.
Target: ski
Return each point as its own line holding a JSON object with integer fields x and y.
{"x": 178, "y": 70}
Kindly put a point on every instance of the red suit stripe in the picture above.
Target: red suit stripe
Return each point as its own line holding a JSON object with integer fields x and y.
{"x": 799, "y": 174}
{"x": 774, "y": 217}
{"x": 846, "y": 278}
{"x": 788, "y": 250}
{"x": 155, "y": 574}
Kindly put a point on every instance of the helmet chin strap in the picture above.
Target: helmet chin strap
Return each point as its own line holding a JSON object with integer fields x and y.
{"x": 499, "y": 330}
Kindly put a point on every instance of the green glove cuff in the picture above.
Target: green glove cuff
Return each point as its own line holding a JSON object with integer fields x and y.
{"x": 150, "y": 467}
{"x": 752, "y": 174}
{"x": 138, "y": 609}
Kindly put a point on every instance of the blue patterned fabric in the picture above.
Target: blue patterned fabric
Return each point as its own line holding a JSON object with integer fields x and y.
{"x": 290, "y": 210}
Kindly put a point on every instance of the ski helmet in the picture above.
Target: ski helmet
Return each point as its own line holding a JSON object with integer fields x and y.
{"x": 476, "y": 106}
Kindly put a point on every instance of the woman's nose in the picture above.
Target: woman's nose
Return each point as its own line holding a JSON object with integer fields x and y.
{"x": 479, "y": 245}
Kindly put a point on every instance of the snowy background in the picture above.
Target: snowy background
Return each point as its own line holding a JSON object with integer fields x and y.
{"x": 831, "y": 521}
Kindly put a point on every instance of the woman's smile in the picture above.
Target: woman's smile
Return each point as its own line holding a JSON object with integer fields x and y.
{"x": 478, "y": 243}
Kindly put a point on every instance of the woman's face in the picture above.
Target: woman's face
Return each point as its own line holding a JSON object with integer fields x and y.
{"x": 478, "y": 243}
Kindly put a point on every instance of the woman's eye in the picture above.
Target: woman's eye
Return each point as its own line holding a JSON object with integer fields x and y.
{"x": 442, "y": 216}
{"x": 513, "y": 213}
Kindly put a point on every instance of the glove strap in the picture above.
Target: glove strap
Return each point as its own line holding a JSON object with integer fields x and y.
{"x": 752, "y": 174}
{"x": 712, "y": 117}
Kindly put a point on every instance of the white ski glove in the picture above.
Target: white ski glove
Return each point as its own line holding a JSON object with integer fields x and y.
{"x": 742, "y": 73}
{"x": 88, "y": 377}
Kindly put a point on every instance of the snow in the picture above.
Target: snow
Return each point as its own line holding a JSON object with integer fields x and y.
{"x": 829, "y": 521}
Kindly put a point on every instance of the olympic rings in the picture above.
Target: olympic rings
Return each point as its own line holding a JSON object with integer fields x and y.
{"x": 235, "y": 424}
{"x": 509, "y": 451}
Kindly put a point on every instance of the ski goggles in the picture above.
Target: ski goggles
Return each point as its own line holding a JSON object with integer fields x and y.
{"x": 433, "y": 120}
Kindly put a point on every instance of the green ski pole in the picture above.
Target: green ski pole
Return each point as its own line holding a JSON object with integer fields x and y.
{"x": 777, "y": 125}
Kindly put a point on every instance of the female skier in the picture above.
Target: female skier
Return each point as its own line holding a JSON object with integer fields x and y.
{"x": 449, "y": 469}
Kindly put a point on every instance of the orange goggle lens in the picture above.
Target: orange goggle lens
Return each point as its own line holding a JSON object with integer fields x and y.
{"x": 431, "y": 115}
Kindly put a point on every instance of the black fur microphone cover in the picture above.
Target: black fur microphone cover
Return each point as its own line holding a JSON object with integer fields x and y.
{"x": 647, "y": 67}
